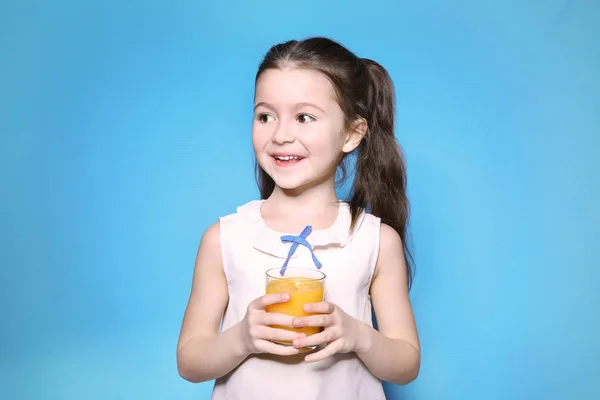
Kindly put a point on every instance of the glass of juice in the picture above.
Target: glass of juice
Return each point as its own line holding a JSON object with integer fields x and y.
{"x": 305, "y": 285}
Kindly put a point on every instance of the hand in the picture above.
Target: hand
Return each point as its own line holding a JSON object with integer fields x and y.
{"x": 341, "y": 332}
{"x": 257, "y": 335}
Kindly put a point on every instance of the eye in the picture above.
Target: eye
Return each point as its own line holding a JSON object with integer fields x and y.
{"x": 305, "y": 118}
{"x": 264, "y": 118}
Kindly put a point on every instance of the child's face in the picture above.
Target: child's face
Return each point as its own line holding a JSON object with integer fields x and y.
{"x": 298, "y": 132}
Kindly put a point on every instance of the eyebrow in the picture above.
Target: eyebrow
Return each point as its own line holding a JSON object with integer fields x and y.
{"x": 298, "y": 105}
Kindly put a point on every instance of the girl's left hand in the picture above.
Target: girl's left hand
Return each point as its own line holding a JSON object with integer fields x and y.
{"x": 341, "y": 332}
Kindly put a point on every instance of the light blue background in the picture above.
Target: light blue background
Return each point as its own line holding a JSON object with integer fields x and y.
{"x": 125, "y": 132}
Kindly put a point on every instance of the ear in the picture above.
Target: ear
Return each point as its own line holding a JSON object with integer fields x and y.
{"x": 355, "y": 135}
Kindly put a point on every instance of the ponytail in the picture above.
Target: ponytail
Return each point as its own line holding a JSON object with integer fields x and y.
{"x": 380, "y": 178}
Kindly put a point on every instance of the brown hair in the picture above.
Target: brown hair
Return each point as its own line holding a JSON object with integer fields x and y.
{"x": 363, "y": 89}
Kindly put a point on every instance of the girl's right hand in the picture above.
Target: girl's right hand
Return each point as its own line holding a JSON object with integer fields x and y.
{"x": 258, "y": 335}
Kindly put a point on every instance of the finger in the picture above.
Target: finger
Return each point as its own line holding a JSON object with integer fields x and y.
{"x": 264, "y": 346}
{"x": 328, "y": 351}
{"x": 278, "y": 334}
{"x": 269, "y": 299}
{"x": 272, "y": 318}
{"x": 320, "y": 338}
{"x": 321, "y": 308}
{"x": 323, "y": 320}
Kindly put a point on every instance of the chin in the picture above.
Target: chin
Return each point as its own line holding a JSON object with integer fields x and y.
{"x": 287, "y": 181}
{"x": 297, "y": 182}
{"x": 289, "y": 184}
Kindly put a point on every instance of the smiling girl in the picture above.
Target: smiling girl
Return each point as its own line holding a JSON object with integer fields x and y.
{"x": 315, "y": 103}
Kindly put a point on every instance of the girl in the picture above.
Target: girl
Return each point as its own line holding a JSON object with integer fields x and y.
{"x": 315, "y": 103}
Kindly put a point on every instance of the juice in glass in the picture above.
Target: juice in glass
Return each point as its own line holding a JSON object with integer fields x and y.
{"x": 304, "y": 285}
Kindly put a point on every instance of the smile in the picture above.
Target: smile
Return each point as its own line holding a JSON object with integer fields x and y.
{"x": 287, "y": 160}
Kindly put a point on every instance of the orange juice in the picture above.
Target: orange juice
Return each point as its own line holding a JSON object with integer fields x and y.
{"x": 303, "y": 289}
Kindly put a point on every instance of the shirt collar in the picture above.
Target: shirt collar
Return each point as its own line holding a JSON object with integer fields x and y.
{"x": 268, "y": 240}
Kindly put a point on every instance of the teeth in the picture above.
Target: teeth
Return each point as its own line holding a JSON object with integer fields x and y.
{"x": 287, "y": 158}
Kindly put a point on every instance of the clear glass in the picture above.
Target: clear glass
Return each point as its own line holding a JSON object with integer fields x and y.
{"x": 305, "y": 285}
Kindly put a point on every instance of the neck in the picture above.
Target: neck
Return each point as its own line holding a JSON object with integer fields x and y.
{"x": 304, "y": 201}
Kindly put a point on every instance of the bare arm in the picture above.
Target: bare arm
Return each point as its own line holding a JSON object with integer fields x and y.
{"x": 392, "y": 353}
{"x": 202, "y": 353}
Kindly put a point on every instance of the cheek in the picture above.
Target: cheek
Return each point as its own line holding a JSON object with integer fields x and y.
{"x": 258, "y": 138}
{"x": 328, "y": 145}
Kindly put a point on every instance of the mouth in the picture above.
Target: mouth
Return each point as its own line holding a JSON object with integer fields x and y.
{"x": 287, "y": 159}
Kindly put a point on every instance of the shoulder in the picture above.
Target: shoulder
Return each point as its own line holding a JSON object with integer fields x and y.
{"x": 389, "y": 238}
{"x": 386, "y": 234}
{"x": 212, "y": 234}
{"x": 247, "y": 211}
{"x": 366, "y": 223}
{"x": 210, "y": 244}
{"x": 391, "y": 250}
{"x": 362, "y": 231}
{"x": 236, "y": 228}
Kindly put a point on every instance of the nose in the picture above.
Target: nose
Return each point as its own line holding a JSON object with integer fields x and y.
{"x": 283, "y": 134}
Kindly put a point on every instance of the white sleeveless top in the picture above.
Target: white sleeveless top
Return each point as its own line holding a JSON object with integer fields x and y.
{"x": 249, "y": 248}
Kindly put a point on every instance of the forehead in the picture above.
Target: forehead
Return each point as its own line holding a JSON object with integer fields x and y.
{"x": 294, "y": 85}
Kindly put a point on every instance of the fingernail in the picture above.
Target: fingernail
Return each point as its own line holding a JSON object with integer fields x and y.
{"x": 285, "y": 296}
